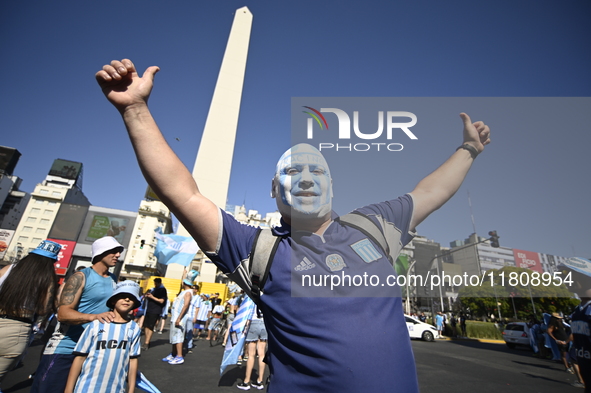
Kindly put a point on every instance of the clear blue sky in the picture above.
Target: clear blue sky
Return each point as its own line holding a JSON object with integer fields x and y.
{"x": 531, "y": 184}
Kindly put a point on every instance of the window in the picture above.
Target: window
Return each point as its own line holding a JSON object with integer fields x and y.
{"x": 35, "y": 210}
{"x": 31, "y": 219}
{"x": 36, "y": 240}
{"x": 44, "y": 221}
{"x": 39, "y": 201}
{"x": 40, "y": 230}
{"x": 23, "y": 239}
{"x": 47, "y": 212}
{"x": 52, "y": 203}
{"x": 27, "y": 229}
{"x": 44, "y": 192}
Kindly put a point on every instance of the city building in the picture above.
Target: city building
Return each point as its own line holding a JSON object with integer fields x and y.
{"x": 140, "y": 261}
{"x": 62, "y": 185}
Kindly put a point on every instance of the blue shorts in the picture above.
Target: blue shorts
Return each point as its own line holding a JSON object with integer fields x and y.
{"x": 256, "y": 332}
{"x": 52, "y": 373}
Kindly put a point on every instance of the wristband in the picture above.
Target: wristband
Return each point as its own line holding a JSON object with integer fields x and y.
{"x": 473, "y": 152}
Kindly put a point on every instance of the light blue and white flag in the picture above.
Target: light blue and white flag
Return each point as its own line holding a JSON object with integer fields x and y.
{"x": 237, "y": 335}
{"x": 142, "y": 383}
{"x": 175, "y": 249}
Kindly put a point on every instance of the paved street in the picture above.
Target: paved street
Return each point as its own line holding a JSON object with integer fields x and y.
{"x": 443, "y": 366}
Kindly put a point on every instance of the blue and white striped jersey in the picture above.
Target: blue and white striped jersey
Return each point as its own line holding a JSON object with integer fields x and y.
{"x": 108, "y": 348}
{"x": 177, "y": 306}
{"x": 204, "y": 309}
{"x": 195, "y": 301}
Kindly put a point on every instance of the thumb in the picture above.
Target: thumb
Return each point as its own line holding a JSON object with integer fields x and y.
{"x": 466, "y": 119}
{"x": 150, "y": 72}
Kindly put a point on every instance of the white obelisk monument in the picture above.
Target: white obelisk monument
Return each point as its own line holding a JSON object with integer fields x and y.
{"x": 214, "y": 157}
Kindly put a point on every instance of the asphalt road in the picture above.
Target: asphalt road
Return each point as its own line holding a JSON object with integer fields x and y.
{"x": 443, "y": 366}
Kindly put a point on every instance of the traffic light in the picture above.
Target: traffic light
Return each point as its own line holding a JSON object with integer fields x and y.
{"x": 494, "y": 239}
{"x": 143, "y": 243}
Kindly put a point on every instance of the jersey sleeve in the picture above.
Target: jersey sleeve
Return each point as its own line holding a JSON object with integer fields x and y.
{"x": 87, "y": 339}
{"x": 234, "y": 243}
{"x": 135, "y": 342}
{"x": 393, "y": 217}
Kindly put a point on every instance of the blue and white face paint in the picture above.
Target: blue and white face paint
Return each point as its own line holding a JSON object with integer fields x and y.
{"x": 302, "y": 185}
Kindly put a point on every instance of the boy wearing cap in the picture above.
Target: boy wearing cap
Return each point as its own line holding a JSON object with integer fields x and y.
{"x": 81, "y": 302}
{"x": 107, "y": 353}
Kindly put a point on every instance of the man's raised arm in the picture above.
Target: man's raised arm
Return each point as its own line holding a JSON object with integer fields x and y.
{"x": 438, "y": 187}
{"x": 163, "y": 170}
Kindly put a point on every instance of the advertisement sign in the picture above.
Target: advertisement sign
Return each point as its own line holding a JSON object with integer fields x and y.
{"x": 66, "y": 169}
{"x": 5, "y": 238}
{"x": 64, "y": 257}
{"x": 68, "y": 222}
{"x": 528, "y": 259}
{"x": 103, "y": 225}
{"x": 151, "y": 195}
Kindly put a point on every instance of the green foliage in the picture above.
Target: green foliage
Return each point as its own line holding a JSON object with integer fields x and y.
{"x": 485, "y": 300}
{"x": 486, "y": 330}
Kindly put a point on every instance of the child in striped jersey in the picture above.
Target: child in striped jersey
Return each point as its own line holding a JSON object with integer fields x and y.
{"x": 107, "y": 353}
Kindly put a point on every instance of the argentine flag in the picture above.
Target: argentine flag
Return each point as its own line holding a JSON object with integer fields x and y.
{"x": 142, "y": 383}
{"x": 237, "y": 334}
{"x": 175, "y": 249}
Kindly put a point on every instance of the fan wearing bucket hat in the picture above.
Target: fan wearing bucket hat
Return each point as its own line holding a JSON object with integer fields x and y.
{"x": 107, "y": 353}
{"x": 27, "y": 291}
{"x": 579, "y": 272}
{"x": 83, "y": 300}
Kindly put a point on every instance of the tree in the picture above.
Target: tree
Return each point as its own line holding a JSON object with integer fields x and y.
{"x": 524, "y": 285}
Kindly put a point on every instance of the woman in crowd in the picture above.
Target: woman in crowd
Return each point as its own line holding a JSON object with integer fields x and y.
{"x": 27, "y": 292}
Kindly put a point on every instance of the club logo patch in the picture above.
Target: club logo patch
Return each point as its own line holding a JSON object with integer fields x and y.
{"x": 366, "y": 250}
{"x": 335, "y": 262}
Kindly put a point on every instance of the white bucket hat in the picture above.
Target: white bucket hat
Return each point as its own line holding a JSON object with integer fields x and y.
{"x": 104, "y": 244}
{"x": 127, "y": 287}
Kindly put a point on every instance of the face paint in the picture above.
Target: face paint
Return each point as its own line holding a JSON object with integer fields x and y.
{"x": 302, "y": 183}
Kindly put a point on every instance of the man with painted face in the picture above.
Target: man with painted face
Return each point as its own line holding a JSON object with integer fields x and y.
{"x": 306, "y": 353}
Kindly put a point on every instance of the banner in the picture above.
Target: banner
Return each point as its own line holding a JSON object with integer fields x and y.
{"x": 528, "y": 259}
{"x": 175, "y": 249}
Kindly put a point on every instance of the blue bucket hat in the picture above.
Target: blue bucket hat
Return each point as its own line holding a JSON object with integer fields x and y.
{"x": 48, "y": 249}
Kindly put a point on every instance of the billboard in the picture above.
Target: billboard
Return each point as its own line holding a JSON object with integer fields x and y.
{"x": 528, "y": 259}
{"x": 107, "y": 225}
{"x": 64, "y": 257}
{"x": 66, "y": 169}
{"x": 5, "y": 238}
{"x": 151, "y": 195}
{"x": 68, "y": 222}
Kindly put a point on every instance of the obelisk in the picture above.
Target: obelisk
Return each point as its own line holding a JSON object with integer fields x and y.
{"x": 214, "y": 157}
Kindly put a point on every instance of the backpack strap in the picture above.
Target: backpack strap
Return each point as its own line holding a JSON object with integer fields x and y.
{"x": 261, "y": 257}
{"x": 363, "y": 223}
{"x": 266, "y": 242}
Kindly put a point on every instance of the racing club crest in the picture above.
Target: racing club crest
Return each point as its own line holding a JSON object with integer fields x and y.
{"x": 335, "y": 262}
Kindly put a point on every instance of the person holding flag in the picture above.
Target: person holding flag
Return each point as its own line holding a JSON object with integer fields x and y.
{"x": 237, "y": 336}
